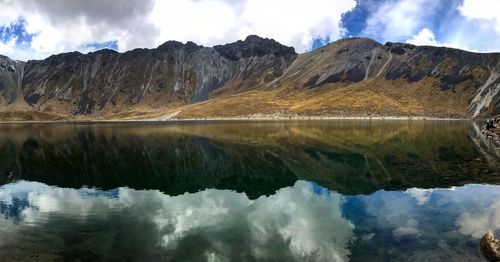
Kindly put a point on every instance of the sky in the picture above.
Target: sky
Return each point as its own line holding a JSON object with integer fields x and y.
{"x": 33, "y": 29}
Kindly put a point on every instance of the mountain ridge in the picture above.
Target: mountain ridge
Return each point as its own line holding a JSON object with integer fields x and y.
{"x": 349, "y": 77}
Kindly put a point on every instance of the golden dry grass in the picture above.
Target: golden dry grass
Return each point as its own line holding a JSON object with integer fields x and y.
{"x": 375, "y": 97}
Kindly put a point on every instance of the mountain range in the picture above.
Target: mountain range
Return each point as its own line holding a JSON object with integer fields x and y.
{"x": 254, "y": 77}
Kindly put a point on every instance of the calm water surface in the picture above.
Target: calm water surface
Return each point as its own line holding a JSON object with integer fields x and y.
{"x": 245, "y": 191}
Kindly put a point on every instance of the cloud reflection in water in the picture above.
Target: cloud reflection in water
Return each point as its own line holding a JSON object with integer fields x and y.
{"x": 297, "y": 222}
{"x": 304, "y": 221}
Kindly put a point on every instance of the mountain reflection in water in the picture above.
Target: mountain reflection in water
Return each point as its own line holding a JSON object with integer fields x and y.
{"x": 258, "y": 158}
{"x": 322, "y": 191}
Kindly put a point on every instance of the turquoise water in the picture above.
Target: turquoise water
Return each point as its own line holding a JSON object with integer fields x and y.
{"x": 218, "y": 191}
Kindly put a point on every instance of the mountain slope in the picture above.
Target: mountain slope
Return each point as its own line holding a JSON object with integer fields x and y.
{"x": 442, "y": 70}
{"x": 11, "y": 76}
{"x": 172, "y": 74}
{"x": 256, "y": 76}
{"x": 361, "y": 77}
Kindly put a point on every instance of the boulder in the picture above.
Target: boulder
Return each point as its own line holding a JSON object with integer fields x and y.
{"x": 490, "y": 247}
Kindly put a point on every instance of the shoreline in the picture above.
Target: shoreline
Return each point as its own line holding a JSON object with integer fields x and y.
{"x": 493, "y": 136}
{"x": 239, "y": 119}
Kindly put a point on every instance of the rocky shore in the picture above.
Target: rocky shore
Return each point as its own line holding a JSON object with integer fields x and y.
{"x": 490, "y": 246}
{"x": 494, "y": 136}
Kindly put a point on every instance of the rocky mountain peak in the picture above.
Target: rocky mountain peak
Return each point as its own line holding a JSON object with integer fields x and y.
{"x": 254, "y": 46}
{"x": 58, "y": 58}
{"x": 191, "y": 46}
{"x": 105, "y": 51}
{"x": 11, "y": 72}
{"x": 170, "y": 46}
{"x": 416, "y": 80}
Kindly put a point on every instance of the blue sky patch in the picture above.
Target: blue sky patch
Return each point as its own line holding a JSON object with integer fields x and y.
{"x": 16, "y": 30}
{"x": 355, "y": 20}
{"x": 320, "y": 42}
{"x": 103, "y": 45}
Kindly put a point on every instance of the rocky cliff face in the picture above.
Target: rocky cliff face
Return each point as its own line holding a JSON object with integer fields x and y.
{"x": 437, "y": 69}
{"x": 356, "y": 75}
{"x": 173, "y": 73}
{"x": 11, "y": 73}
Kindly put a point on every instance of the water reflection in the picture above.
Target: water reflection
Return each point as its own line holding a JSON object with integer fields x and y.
{"x": 424, "y": 225}
{"x": 484, "y": 146}
{"x": 351, "y": 157}
{"x": 379, "y": 190}
{"x": 304, "y": 221}
{"x": 294, "y": 223}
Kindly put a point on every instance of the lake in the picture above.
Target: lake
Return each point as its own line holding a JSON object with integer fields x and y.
{"x": 339, "y": 190}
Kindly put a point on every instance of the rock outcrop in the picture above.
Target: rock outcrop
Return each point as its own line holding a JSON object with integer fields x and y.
{"x": 356, "y": 76}
{"x": 173, "y": 73}
{"x": 436, "y": 70}
{"x": 494, "y": 136}
{"x": 11, "y": 74}
{"x": 490, "y": 246}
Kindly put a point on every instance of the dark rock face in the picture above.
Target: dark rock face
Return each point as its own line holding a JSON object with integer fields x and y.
{"x": 450, "y": 66}
{"x": 11, "y": 73}
{"x": 254, "y": 46}
{"x": 490, "y": 246}
{"x": 173, "y": 72}
{"x": 359, "y": 59}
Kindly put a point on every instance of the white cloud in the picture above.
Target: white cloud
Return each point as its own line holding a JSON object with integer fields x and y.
{"x": 394, "y": 20}
{"x": 478, "y": 26}
{"x": 475, "y": 223}
{"x": 9, "y": 11}
{"x": 6, "y": 48}
{"x": 421, "y": 195}
{"x": 295, "y": 23}
{"x": 482, "y": 9}
{"x": 427, "y": 37}
{"x": 405, "y": 231}
{"x": 67, "y": 25}
{"x": 205, "y": 22}
{"x": 471, "y": 25}
{"x": 309, "y": 226}
{"x": 424, "y": 37}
